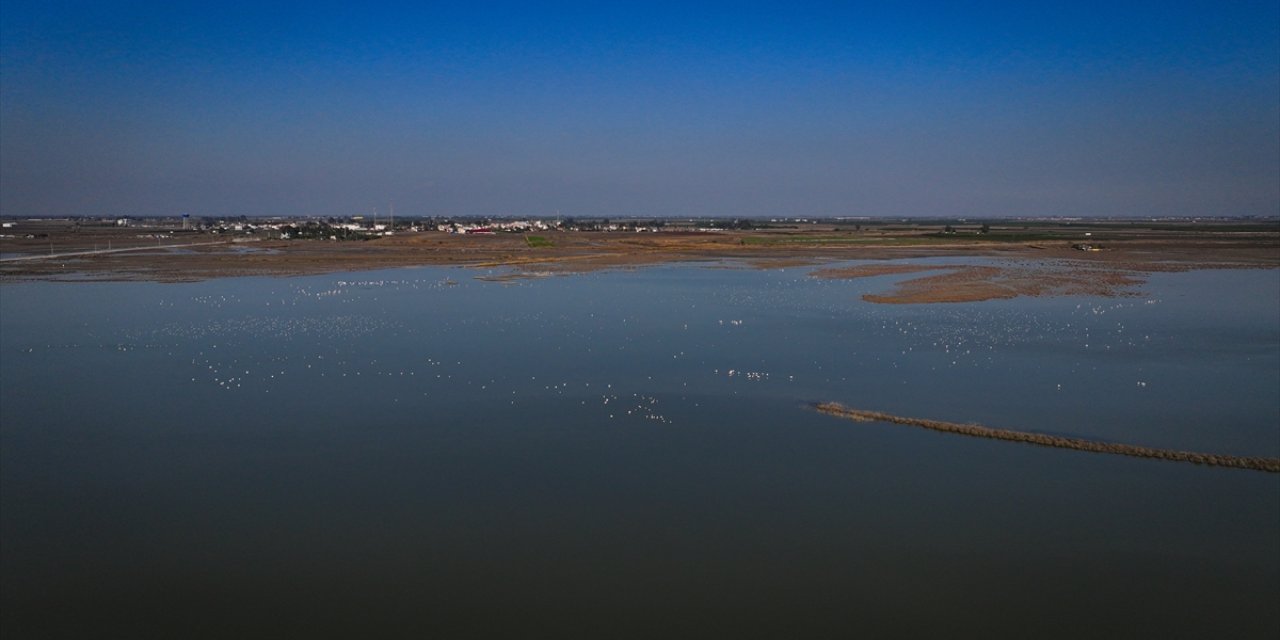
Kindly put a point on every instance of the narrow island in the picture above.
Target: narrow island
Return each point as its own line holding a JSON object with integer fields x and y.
{"x": 1270, "y": 465}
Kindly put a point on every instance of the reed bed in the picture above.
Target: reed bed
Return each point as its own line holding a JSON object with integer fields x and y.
{"x": 1271, "y": 465}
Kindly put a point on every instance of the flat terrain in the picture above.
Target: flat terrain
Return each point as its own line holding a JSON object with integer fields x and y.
{"x": 1034, "y": 259}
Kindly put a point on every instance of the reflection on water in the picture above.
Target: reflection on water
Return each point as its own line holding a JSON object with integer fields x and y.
{"x": 630, "y": 454}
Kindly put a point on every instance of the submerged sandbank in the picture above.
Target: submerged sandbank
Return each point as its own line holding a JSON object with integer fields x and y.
{"x": 1271, "y": 465}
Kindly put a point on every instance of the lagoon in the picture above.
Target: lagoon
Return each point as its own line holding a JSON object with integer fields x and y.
{"x": 631, "y": 453}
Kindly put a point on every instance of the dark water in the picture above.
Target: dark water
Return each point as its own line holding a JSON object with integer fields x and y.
{"x": 415, "y": 452}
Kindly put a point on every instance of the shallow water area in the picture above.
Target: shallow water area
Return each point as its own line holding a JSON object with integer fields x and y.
{"x": 631, "y": 453}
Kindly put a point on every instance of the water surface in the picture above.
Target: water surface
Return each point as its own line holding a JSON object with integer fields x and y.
{"x": 630, "y": 453}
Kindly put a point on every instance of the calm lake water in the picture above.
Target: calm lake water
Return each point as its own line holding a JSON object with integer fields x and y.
{"x": 630, "y": 453}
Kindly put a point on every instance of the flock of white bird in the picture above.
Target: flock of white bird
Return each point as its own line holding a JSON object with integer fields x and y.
{"x": 246, "y": 344}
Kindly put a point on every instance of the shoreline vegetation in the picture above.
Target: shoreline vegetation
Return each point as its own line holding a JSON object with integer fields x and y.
{"x": 1025, "y": 259}
{"x": 1269, "y": 465}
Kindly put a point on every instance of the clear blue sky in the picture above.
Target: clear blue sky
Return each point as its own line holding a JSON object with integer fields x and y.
{"x": 604, "y": 108}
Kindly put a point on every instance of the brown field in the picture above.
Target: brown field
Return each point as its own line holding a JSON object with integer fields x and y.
{"x": 1042, "y": 263}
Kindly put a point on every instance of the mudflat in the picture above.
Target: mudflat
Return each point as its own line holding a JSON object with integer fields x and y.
{"x": 1108, "y": 260}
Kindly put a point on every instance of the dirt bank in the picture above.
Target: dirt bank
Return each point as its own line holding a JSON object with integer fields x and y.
{"x": 1270, "y": 465}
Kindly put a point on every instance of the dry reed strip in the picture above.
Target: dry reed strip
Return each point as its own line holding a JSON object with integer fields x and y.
{"x": 1271, "y": 465}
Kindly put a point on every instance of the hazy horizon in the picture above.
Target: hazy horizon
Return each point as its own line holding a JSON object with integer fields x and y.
{"x": 1131, "y": 109}
{"x": 639, "y": 217}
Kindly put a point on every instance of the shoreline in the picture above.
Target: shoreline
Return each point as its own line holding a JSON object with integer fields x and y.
{"x": 1030, "y": 268}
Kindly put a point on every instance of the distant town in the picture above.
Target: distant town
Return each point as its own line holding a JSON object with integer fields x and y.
{"x": 371, "y": 226}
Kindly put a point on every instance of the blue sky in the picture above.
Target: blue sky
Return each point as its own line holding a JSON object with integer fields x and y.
{"x": 736, "y": 109}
